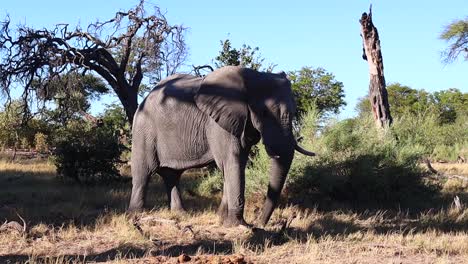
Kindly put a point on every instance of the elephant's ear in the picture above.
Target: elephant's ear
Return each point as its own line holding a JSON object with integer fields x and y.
{"x": 222, "y": 96}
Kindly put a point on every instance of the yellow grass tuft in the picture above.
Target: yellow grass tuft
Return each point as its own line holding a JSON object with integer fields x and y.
{"x": 451, "y": 168}
{"x": 19, "y": 168}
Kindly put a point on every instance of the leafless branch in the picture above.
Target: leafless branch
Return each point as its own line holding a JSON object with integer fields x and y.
{"x": 197, "y": 69}
{"x": 139, "y": 44}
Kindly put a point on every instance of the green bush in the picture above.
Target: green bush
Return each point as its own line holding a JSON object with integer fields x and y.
{"x": 40, "y": 142}
{"x": 440, "y": 141}
{"x": 87, "y": 153}
{"x": 210, "y": 184}
{"x": 359, "y": 164}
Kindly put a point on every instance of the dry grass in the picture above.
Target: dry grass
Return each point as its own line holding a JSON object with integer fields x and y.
{"x": 452, "y": 168}
{"x": 68, "y": 223}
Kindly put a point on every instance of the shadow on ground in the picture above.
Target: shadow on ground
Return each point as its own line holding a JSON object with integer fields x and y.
{"x": 41, "y": 197}
{"x": 112, "y": 254}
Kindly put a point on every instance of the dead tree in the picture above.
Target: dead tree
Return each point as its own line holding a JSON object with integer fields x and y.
{"x": 121, "y": 50}
{"x": 372, "y": 54}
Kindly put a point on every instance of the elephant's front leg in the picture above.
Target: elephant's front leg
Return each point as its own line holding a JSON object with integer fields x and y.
{"x": 223, "y": 207}
{"x": 234, "y": 178}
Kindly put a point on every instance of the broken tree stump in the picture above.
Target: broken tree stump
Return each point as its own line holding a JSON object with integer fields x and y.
{"x": 372, "y": 54}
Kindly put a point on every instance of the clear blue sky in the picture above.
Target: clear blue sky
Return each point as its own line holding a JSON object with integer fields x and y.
{"x": 293, "y": 34}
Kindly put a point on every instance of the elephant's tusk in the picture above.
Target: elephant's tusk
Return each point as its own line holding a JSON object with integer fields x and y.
{"x": 303, "y": 151}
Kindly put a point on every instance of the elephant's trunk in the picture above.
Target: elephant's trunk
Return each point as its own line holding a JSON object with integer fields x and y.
{"x": 302, "y": 150}
{"x": 279, "y": 167}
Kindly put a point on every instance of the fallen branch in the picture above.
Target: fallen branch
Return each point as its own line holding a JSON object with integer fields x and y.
{"x": 440, "y": 174}
{"x": 14, "y": 225}
{"x": 429, "y": 166}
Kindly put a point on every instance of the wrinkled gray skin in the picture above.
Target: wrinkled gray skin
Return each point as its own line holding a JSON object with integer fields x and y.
{"x": 189, "y": 122}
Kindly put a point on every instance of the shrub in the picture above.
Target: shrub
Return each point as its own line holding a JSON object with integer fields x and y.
{"x": 24, "y": 143}
{"x": 87, "y": 153}
{"x": 358, "y": 164}
{"x": 40, "y": 142}
{"x": 440, "y": 141}
{"x": 210, "y": 184}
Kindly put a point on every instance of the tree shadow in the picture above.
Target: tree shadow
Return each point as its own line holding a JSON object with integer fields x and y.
{"x": 129, "y": 252}
{"x": 206, "y": 246}
{"x": 108, "y": 255}
{"x": 41, "y": 197}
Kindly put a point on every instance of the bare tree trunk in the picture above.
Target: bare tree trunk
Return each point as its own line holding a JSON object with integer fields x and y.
{"x": 131, "y": 108}
{"x": 371, "y": 52}
{"x": 128, "y": 96}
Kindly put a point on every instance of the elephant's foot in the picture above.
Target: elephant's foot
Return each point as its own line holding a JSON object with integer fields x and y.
{"x": 135, "y": 207}
{"x": 222, "y": 212}
{"x": 175, "y": 202}
{"x": 178, "y": 209}
{"x": 234, "y": 218}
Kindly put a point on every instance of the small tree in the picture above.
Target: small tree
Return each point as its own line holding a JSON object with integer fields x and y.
{"x": 40, "y": 142}
{"x": 315, "y": 88}
{"x": 456, "y": 33}
{"x": 12, "y": 125}
{"x": 245, "y": 56}
{"x": 87, "y": 153}
{"x": 451, "y": 103}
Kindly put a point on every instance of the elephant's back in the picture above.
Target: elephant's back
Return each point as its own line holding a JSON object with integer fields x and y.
{"x": 178, "y": 86}
{"x": 170, "y": 93}
{"x": 169, "y": 118}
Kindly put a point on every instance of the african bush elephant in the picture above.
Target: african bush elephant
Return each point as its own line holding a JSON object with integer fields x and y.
{"x": 188, "y": 122}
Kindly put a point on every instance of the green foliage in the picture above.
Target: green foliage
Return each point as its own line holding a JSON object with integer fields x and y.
{"x": 87, "y": 153}
{"x": 450, "y": 152}
{"x": 316, "y": 88}
{"x": 115, "y": 119}
{"x": 403, "y": 100}
{"x": 428, "y": 132}
{"x": 40, "y": 142}
{"x": 211, "y": 184}
{"x": 447, "y": 105}
{"x": 24, "y": 143}
{"x": 10, "y": 124}
{"x": 245, "y": 56}
{"x": 451, "y": 103}
{"x": 456, "y": 33}
{"x": 71, "y": 94}
{"x": 356, "y": 163}
{"x": 256, "y": 174}
{"x": 17, "y": 128}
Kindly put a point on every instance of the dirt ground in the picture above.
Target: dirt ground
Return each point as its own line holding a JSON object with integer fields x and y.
{"x": 66, "y": 223}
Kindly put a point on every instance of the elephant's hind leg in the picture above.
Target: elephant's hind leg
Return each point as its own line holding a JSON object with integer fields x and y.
{"x": 144, "y": 164}
{"x": 171, "y": 179}
{"x": 140, "y": 179}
